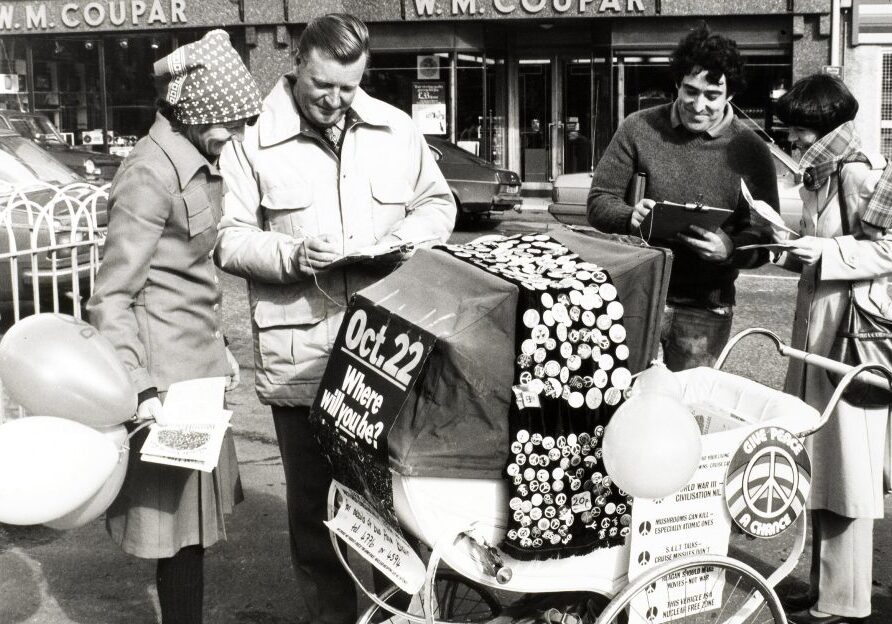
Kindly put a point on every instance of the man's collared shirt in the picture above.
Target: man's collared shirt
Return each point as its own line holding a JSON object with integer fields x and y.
{"x": 716, "y": 131}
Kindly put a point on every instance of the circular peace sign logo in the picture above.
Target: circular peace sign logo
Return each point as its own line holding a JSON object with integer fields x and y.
{"x": 768, "y": 481}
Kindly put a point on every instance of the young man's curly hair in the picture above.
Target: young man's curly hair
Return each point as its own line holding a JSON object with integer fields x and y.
{"x": 717, "y": 54}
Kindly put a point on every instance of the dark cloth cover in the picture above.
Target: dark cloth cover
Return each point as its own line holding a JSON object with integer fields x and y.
{"x": 455, "y": 422}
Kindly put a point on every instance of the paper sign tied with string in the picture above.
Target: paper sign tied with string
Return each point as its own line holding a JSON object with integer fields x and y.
{"x": 357, "y": 523}
{"x": 191, "y": 427}
{"x": 761, "y": 213}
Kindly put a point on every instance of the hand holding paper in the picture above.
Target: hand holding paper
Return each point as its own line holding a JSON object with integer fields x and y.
{"x": 761, "y": 212}
{"x": 190, "y": 426}
{"x": 389, "y": 249}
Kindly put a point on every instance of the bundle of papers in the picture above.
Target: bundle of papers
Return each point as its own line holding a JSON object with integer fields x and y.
{"x": 190, "y": 432}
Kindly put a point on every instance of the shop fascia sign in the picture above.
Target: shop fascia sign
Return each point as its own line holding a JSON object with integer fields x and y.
{"x": 522, "y": 8}
{"x": 56, "y": 16}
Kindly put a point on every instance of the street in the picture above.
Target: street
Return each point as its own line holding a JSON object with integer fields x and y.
{"x": 80, "y": 577}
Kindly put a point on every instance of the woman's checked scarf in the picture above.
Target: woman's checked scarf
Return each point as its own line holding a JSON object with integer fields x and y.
{"x": 823, "y": 159}
{"x": 838, "y": 147}
{"x": 879, "y": 210}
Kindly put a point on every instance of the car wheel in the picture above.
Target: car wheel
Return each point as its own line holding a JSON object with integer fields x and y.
{"x": 459, "y": 214}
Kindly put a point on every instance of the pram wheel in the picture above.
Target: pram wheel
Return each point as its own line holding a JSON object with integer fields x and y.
{"x": 458, "y": 600}
{"x": 705, "y": 589}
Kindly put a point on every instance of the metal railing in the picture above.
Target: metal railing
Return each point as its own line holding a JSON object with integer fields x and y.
{"x": 51, "y": 241}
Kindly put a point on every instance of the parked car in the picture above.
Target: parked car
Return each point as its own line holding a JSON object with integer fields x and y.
{"x": 479, "y": 187}
{"x": 50, "y": 217}
{"x": 570, "y": 192}
{"x": 93, "y": 166}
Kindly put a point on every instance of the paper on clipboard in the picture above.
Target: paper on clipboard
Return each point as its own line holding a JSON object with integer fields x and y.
{"x": 668, "y": 219}
{"x": 761, "y": 212}
{"x": 379, "y": 250}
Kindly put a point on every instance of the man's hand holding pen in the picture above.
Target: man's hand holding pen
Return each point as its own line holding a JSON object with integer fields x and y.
{"x": 639, "y": 212}
{"x": 316, "y": 253}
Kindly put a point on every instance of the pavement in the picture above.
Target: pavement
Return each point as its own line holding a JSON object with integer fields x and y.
{"x": 80, "y": 576}
{"x": 535, "y": 204}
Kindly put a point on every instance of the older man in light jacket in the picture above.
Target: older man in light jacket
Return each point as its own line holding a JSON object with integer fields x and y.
{"x": 326, "y": 170}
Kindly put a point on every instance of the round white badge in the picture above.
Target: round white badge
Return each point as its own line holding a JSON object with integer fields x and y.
{"x": 593, "y": 398}
{"x": 531, "y": 318}
{"x": 617, "y": 333}
{"x": 607, "y": 292}
{"x": 615, "y": 310}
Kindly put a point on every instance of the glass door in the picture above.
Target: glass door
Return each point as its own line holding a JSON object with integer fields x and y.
{"x": 535, "y": 118}
{"x": 581, "y": 97}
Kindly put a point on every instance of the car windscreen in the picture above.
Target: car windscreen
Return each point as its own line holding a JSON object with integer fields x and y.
{"x": 37, "y": 128}
{"x": 24, "y": 164}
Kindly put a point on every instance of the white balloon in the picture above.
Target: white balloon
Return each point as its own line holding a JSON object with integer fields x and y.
{"x": 651, "y": 445}
{"x": 57, "y": 365}
{"x": 658, "y": 378}
{"x": 96, "y": 505}
{"x": 50, "y": 466}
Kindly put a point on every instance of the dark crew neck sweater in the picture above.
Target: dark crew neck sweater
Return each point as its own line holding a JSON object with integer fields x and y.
{"x": 683, "y": 167}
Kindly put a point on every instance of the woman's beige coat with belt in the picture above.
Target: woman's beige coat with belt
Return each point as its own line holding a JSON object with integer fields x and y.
{"x": 848, "y": 453}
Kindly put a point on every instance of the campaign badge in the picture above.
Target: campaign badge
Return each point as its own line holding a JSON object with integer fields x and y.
{"x": 768, "y": 481}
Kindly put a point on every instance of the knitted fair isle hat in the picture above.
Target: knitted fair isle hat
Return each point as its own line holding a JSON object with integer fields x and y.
{"x": 206, "y": 82}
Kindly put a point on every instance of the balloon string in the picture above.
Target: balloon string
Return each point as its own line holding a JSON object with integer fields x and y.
{"x": 138, "y": 429}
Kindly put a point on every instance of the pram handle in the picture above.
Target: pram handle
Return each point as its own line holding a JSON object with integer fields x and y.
{"x": 883, "y": 380}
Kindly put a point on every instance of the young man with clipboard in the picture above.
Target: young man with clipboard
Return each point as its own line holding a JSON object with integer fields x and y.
{"x": 692, "y": 152}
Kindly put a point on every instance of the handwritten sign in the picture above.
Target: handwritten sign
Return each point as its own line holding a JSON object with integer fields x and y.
{"x": 369, "y": 534}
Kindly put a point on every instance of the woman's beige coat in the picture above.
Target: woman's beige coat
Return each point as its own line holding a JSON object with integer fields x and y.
{"x": 848, "y": 453}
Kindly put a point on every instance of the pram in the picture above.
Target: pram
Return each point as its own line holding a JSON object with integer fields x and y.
{"x": 462, "y": 520}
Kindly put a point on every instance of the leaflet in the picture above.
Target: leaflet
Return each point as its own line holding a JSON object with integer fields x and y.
{"x": 761, "y": 212}
{"x": 186, "y": 445}
{"x": 191, "y": 427}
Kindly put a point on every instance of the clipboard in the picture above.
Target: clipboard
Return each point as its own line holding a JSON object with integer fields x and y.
{"x": 667, "y": 219}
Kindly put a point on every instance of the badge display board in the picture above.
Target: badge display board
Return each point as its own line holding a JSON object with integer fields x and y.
{"x": 375, "y": 361}
{"x": 570, "y": 373}
{"x": 455, "y": 424}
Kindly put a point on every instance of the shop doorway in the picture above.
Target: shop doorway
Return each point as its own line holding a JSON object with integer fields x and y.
{"x": 559, "y": 108}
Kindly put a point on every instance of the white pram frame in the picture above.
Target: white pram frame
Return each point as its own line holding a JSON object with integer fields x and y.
{"x": 463, "y": 536}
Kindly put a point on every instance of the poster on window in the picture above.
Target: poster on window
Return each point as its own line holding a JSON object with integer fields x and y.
{"x": 428, "y": 66}
{"x": 429, "y": 106}
{"x": 9, "y": 83}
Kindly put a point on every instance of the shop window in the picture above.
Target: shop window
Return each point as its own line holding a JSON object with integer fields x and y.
{"x": 130, "y": 89}
{"x": 13, "y": 75}
{"x": 886, "y": 107}
{"x": 480, "y": 106}
{"x": 67, "y": 86}
{"x": 767, "y": 78}
{"x": 418, "y": 83}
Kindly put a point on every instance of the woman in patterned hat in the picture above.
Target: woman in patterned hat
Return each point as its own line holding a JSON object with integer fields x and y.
{"x": 157, "y": 299}
{"x": 843, "y": 239}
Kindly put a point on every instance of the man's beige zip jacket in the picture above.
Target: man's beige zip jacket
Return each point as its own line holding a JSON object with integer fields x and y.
{"x": 285, "y": 184}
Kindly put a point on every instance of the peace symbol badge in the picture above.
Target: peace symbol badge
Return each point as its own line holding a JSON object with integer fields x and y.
{"x": 768, "y": 481}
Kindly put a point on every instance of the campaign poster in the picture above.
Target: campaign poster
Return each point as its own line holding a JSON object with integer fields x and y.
{"x": 693, "y": 521}
{"x": 376, "y": 360}
{"x": 429, "y": 107}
